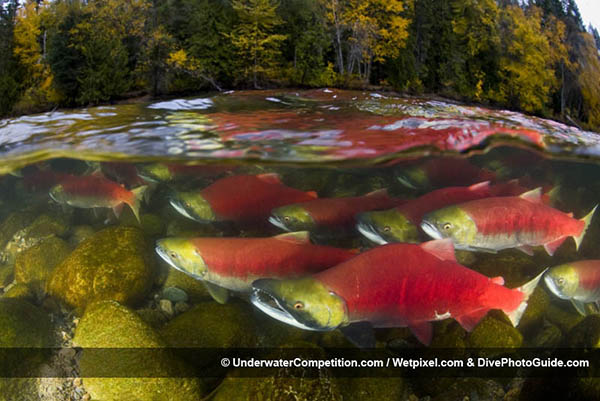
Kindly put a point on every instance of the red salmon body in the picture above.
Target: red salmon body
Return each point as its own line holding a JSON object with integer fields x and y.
{"x": 251, "y": 197}
{"x": 96, "y": 187}
{"x": 414, "y": 285}
{"x": 275, "y": 257}
{"x": 335, "y": 212}
{"x": 414, "y": 209}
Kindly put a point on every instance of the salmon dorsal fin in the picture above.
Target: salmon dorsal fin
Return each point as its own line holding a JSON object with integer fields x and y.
{"x": 440, "y": 248}
{"x": 271, "y": 178}
{"x": 480, "y": 186}
{"x": 378, "y": 193}
{"x": 297, "y": 237}
{"x": 312, "y": 194}
{"x": 535, "y": 195}
{"x": 497, "y": 280}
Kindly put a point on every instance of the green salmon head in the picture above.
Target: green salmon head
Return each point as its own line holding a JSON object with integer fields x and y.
{"x": 563, "y": 281}
{"x": 193, "y": 206}
{"x": 57, "y": 193}
{"x": 450, "y": 222}
{"x": 413, "y": 177}
{"x": 305, "y": 303}
{"x": 292, "y": 218}
{"x": 155, "y": 172}
{"x": 386, "y": 226}
{"x": 183, "y": 256}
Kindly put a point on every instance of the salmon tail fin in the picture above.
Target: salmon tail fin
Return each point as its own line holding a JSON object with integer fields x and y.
{"x": 586, "y": 220}
{"x": 138, "y": 194}
{"x": 527, "y": 289}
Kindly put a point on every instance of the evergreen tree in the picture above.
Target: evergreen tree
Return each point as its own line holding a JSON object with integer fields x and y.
{"x": 9, "y": 75}
{"x": 257, "y": 44}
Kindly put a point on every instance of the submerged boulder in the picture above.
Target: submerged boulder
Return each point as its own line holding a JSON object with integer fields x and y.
{"x": 123, "y": 358}
{"x": 34, "y": 266}
{"x": 114, "y": 264}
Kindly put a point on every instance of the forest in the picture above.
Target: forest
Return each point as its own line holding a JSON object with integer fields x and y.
{"x": 534, "y": 56}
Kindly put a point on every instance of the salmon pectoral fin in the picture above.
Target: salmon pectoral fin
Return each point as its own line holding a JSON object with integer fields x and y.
{"x": 117, "y": 209}
{"x": 423, "y": 332}
{"x": 469, "y": 321}
{"x": 580, "y": 306}
{"x": 219, "y": 294}
{"x": 551, "y": 247}
{"x": 360, "y": 334}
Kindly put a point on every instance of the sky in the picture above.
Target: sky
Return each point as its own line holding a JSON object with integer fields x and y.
{"x": 590, "y": 12}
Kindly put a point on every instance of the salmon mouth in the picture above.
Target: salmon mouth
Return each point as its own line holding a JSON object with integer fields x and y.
{"x": 368, "y": 230}
{"x": 277, "y": 223}
{"x": 431, "y": 230}
{"x": 271, "y": 306}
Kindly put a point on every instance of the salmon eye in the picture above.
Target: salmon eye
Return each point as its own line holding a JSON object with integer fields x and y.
{"x": 173, "y": 255}
{"x": 386, "y": 229}
{"x": 560, "y": 281}
{"x": 298, "y": 305}
{"x": 286, "y": 218}
{"x": 447, "y": 226}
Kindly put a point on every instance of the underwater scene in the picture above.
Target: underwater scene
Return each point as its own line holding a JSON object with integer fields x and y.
{"x": 146, "y": 248}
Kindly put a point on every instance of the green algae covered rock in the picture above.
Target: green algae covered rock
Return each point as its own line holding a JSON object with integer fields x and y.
{"x": 471, "y": 388}
{"x": 115, "y": 264}
{"x": 564, "y": 317}
{"x": 13, "y": 223}
{"x": 537, "y": 304}
{"x": 34, "y": 266}
{"x": 195, "y": 289}
{"x": 20, "y": 290}
{"x": 131, "y": 357}
{"x": 212, "y": 325}
{"x": 586, "y": 334}
{"x": 80, "y": 234}
{"x": 493, "y": 333}
{"x": 6, "y": 275}
{"x": 373, "y": 388}
{"x": 23, "y": 326}
{"x": 280, "y": 385}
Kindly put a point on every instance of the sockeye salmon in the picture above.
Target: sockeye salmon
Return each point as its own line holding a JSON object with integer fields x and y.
{"x": 443, "y": 172}
{"x": 240, "y": 198}
{"x": 234, "y": 263}
{"x": 330, "y": 213}
{"x": 96, "y": 191}
{"x": 401, "y": 224}
{"x": 578, "y": 282}
{"x": 496, "y": 223}
{"x": 394, "y": 285}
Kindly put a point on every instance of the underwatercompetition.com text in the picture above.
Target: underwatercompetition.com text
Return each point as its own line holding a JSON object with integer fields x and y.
{"x": 399, "y": 362}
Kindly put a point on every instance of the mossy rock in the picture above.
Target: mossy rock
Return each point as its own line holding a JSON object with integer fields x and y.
{"x": 131, "y": 357}
{"x": 195, "y": 289}
{"x": 6, "y": 275}
{"x": 537, "y": 304}
{"x": 26, "y": 388}
{"x": 46, "y": 225}
{"x": 471, "y": 388}
{"x": 20, "y": 290}
{"x": 152, "y": 225}
{"x": 35, "y": 265}
{"x": 493, "y": 333}
{"x": 80, "y": 234}
{"x": 23, "y": 326}
{"x": 373, "y": 388}
{"x": 282, "y": 385}
{"x": 14, "y": 222}
{"x": 564, "y": 316}
{"x": 513, "y": 265}
{"x": 115, "y": 264}
{"x": 549, "y": 336}
{"x": 212, "y": 325}
{"x": 586, "y": 334}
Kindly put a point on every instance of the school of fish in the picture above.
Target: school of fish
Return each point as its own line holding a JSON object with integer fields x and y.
{"x": 408, "y": 278}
